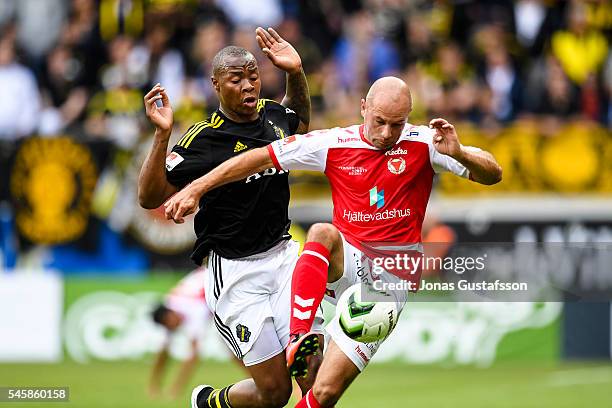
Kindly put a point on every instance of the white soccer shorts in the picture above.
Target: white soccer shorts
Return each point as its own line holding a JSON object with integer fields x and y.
{"x": 251, "y": 301}
{"x": 357, "y": 269}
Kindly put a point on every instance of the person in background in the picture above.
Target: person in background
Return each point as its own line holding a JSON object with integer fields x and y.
{"x": 183, "y": 309}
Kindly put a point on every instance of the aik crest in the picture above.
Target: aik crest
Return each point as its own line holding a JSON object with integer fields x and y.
{"x": 243, "y": 333}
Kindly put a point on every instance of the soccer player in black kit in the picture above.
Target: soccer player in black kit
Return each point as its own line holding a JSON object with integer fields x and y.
{"x": 242, "y": 228}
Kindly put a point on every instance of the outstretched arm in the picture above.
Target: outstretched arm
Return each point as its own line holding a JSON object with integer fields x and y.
{"x": 185, "y": 372}
{"x": 237, "y": 168}
{"x": 157, "y": 372}
{"x": 153, "y": 186}
{"x": 483, "y": 167}
{"x": 285, "y": 57}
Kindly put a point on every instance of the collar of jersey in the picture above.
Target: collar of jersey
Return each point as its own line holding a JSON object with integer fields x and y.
{"x": 253, "y": 122}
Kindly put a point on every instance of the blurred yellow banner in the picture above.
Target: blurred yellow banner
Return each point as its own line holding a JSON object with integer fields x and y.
{"x": 537, "y": 157}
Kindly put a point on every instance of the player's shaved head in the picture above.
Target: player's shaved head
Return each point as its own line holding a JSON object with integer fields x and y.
{"x": 236, "y": 81}
{"x": 232, "y": 56}
{"x": 390, "y": 91}
{"x": 385, "y": 110}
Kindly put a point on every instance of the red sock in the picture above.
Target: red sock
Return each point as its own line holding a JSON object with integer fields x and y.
{"x": 308, "y": 286}
{"x": 308, "y": 401}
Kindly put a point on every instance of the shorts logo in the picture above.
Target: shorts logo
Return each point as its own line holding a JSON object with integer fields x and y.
{"x": 377, "y": 197}
{"x": 243, "y": 333}
{"x": 397, "y": 165}
{"x": 361, "y": 354}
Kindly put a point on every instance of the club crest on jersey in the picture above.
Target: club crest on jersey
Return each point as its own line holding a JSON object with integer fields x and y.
{"x": 278, "y": 131}
{"x": 243, "y": 333}
{"x": 396, "y": 165}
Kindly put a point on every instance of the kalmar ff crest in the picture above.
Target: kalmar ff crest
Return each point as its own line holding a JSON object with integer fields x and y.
{"x": 396, "y": 165}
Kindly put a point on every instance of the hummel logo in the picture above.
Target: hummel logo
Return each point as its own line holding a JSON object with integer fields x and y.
{"x": 240, "y": 147}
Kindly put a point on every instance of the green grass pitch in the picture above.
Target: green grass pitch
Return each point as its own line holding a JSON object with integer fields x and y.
{"x": 517, "y": 384}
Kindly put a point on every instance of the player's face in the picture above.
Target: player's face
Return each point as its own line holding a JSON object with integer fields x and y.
{"x": 172, "y": 320}
{"x": 383, "y": 122}
{"x": 238, "y": 88}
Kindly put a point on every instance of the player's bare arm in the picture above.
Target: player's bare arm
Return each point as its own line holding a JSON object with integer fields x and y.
{"x": 153, "y": 187}
{"x": 285, "y": 57}
{"x": 483, "y": 167}
{"x": 186, "y": 201}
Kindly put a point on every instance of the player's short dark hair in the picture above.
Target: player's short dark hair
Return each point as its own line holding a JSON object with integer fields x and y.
{"x": 219, "y": 61}
{"x": 159, "y": 313}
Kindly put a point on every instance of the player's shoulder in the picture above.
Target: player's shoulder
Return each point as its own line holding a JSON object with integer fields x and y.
{"x": 269, "y": 105}
{"x": 273, "y": 107}
{"x": 200, "y": 132}
{"x": 337, "y": 136}
{"x": 417, "y": 133}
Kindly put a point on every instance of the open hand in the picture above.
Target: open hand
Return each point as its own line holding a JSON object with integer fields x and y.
{"x": 161, "y": 117}
{"x": 445, "y": 140}
{"x": 280, "y": 52}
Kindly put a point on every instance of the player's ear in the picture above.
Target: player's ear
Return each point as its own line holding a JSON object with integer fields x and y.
{"x": 363, "y": 108}
{"x": 215, "y": 83}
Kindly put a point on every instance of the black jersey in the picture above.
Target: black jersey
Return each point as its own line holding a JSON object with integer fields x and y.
{"x": 248, "y": 216}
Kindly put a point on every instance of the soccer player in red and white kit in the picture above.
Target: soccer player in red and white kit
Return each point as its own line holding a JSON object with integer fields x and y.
{"x": 381, "y": 174}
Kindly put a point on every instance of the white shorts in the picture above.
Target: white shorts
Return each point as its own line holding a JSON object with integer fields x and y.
{"x": 357, "y": 269}
{"x": 251, "y": 301}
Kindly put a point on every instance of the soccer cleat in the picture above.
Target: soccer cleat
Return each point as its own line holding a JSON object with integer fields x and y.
{"x": 300, "y": 347}
{"x": 202, "y": 391}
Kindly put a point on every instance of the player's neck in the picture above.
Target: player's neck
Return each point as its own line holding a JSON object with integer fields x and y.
{"x": 236, "y": 117}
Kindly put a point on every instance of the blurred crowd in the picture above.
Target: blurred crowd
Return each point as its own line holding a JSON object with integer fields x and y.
{"x": 81, "y": 67}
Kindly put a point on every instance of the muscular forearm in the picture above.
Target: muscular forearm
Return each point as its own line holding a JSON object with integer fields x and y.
{"x": 153, "y": 186}
{"x": 297, "y": 98}
{"x": 483, "y": 167}
{"x": 236, "y": 168}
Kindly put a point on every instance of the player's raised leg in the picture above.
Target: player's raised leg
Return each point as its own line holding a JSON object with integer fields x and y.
{"x": 321, "y": 260}
{"x": 336, "y": 374}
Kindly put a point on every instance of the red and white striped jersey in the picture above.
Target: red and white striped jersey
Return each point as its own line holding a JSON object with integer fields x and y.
{"x": 187, "y": 299}
{"x": 191, "y": 286}
{"x": 378, "y": 195}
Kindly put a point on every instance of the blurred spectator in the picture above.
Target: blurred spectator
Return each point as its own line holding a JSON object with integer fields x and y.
{"x": 210, "y": 37}
{"x": 500, "y": 75}
{"x": 457, "y": 93}
{"x": 155, "y": 61}
{"x": 114, "y": 112}
{"x": 529, "y": 16}
{"x": 420, "y": 40}
{"x": 469, "y": 14}
{"x": 20, "y": 102}
{"x": 550, "y": 92}
{"x": 81, "y": 33}
{"x": 39, "y": 24}
{"x": 580, "y": 49}
{"x": 608, "y": 90}
{"x": 64, "y": 93}
{"x": 362, "y": 55}
{"x": 121, "y": 17}
{"x": 250, "y": 14}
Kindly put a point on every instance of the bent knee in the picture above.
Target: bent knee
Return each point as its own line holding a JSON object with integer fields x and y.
{"x": 324, "y": 233}
{"x": 327, "y": 394}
